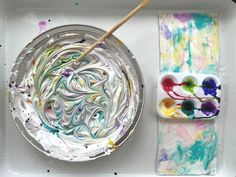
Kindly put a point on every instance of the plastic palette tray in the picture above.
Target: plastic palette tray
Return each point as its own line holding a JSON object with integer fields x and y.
{"x": 137, "y": 157}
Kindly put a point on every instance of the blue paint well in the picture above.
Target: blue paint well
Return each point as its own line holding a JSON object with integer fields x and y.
{"x": 209, "y": 86}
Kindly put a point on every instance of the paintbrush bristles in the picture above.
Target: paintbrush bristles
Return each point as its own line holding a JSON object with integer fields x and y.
{"x": 109, "y": 33}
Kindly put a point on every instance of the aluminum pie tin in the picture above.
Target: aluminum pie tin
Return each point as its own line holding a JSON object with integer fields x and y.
{"x": 76, "y": 110}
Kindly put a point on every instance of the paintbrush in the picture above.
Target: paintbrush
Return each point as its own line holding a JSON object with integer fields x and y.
{"x": 109, "y": 33}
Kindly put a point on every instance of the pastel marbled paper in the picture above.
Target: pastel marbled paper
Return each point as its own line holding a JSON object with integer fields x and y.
{"x": 189, "y": 43}
{"x": 187, "y": 147}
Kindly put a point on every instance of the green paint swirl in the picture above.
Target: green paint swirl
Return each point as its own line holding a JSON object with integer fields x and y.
{"x": 203, "y": 150}
{"x": 202, "y": 20}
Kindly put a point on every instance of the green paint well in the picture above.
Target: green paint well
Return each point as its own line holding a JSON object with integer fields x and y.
{"x": 202, "y": 20}
{"x": 189, "y": 85}
{"x": 187, "y": 107}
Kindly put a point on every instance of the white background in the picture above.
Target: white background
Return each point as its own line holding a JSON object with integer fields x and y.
{"x": 137, "y": 157}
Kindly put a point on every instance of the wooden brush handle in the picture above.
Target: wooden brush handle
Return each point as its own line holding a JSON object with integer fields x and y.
{"x": 109, "y": 33}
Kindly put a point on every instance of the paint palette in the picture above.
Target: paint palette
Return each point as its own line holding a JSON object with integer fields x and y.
{"x": 188, "y": 96}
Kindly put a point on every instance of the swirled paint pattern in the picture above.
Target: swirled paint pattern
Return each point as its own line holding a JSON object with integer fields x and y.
{"x": 82, "y": 108}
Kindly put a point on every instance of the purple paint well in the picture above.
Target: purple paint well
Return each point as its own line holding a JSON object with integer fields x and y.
{"x": 209, "y": 109}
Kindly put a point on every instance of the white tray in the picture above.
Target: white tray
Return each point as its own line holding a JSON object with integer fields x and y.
{"x": 137, "y": 157}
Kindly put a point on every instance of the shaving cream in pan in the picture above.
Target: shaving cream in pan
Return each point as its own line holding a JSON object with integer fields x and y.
{"x": 76, "y": 111}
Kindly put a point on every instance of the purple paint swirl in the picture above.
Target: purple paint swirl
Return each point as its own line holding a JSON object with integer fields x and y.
{"x": 168, "y": 33}
{"x": 183, "y": 17}
{"x": 163, "y": 156}
{"x": 67, "y": 73}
